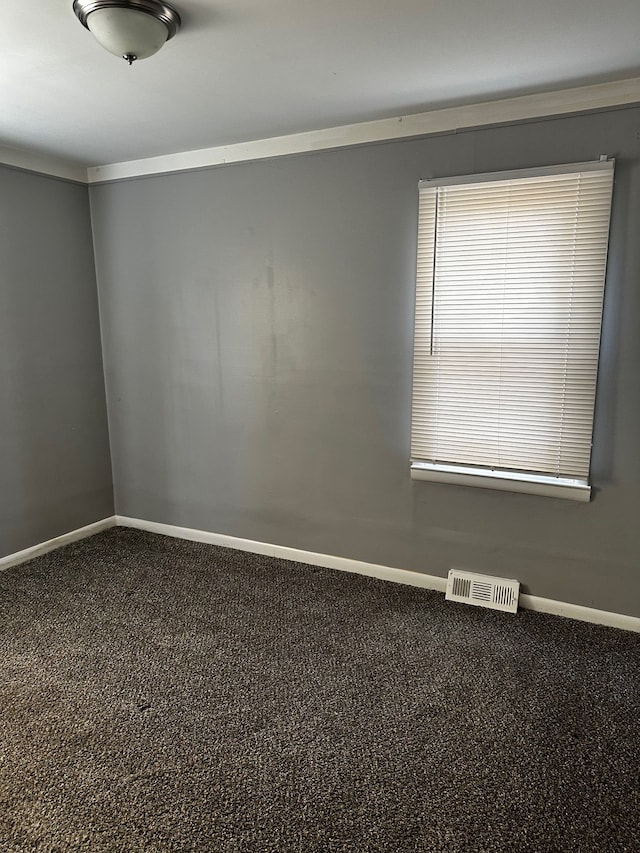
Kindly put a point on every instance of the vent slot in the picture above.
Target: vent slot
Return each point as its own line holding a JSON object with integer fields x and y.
{"x": 462, "y": 587}
{"x": 483, "y": 590}
{"x": 503, "y": 595}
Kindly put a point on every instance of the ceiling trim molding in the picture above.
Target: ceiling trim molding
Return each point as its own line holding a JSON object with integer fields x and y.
{"x": 566, "y": 101}
{"x": 522, "y": 108}
{"x": 43, "y": 164}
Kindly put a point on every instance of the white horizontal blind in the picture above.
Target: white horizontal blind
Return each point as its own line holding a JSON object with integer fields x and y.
{"x": 510, "y": 280}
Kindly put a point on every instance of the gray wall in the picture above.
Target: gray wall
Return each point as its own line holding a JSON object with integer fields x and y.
{"x": 55, "y": 471}
{"x": 257, "y": 325}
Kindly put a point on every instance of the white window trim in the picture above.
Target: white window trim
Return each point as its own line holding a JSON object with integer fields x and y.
{"x": 500, "y": 479}
{"x": 567, "y": 169}
{"x": 506, "y": 481}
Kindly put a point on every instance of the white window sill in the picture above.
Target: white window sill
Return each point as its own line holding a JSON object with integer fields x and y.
{"x": 507, "y": 481}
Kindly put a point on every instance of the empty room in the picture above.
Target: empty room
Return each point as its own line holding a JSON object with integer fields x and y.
{"x": 319, "y": 427}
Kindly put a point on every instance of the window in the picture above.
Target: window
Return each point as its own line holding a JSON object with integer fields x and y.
{"x": 510, "y": 281}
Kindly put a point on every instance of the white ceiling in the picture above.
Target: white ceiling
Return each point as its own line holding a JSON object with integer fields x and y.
{"x": 252, "y": 69}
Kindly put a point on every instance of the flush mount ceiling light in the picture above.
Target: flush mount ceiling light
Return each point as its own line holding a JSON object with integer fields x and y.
{"x": 132, "y": 29}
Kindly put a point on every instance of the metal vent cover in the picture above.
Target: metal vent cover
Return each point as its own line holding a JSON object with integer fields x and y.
{"x": 483, "y": 590}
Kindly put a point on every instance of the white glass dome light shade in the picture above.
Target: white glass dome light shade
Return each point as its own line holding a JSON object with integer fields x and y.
{"x": 127, "y": 32}
{"x": 132, "y": 29}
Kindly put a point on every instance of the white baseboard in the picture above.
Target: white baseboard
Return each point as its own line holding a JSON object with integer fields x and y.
{"x": 297, "y": 555}
{"x": 579, "y": 612}
{"x": 51, "y": 544}
{"x": 528, "y": 602}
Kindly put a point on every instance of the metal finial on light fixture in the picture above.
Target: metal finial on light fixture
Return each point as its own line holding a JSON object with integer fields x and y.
{"x": 132, "y": 29}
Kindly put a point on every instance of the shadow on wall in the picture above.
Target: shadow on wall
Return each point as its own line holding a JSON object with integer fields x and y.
{"x": 623, "y": 251}
{"x": 607, "y": 389}
{"x": 54, "y": 453}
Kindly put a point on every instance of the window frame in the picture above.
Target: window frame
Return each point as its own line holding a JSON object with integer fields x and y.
{"x": 501, "y": 478}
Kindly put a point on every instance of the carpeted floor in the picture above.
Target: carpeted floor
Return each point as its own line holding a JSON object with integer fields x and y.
{"x": 161, "y": 695}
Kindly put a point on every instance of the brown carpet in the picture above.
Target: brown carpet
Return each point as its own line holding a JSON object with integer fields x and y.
{"x": 160, "y": 695}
